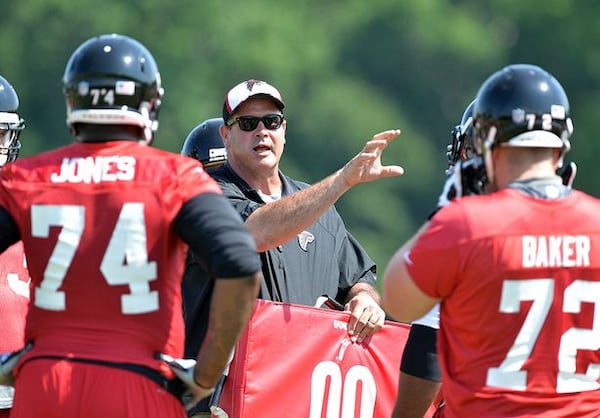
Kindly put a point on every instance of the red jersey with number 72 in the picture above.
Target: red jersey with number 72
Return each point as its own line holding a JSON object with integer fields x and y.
{"x": 104, "y": 259}
{"x": 519, "y": 279}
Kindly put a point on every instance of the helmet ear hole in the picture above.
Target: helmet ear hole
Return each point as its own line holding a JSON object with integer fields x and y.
{"x": 113, "y": 80}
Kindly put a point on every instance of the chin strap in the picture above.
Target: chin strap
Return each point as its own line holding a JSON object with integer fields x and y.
{"x": 568, "y": 172}
{"x": 488, "y": 146}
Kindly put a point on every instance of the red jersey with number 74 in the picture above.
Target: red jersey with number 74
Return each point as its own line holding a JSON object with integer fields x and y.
{"x": 104, "y": 259}
{"x": 519, "y": 279}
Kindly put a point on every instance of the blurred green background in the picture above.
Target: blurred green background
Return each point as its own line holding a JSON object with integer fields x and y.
{"x": 346, "y": 69}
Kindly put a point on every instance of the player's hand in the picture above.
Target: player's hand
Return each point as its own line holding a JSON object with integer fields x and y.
{"x": 568, "y": 172}
{"x": 466, "y": 178}
{"x": 8, "y": 361}
{"x": 185, "y": 369}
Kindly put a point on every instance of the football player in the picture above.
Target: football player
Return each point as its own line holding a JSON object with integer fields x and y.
{"x": 105, "y": 223}
{"x": 204, "y": 143}
{"x": 515, "y": 269}
{"x": 419, "y": 379}
{"x": 14, "y": 278}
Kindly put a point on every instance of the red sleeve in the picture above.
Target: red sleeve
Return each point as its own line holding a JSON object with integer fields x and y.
{"x": 193, "y": 180}
{"x": 435, "y": 259}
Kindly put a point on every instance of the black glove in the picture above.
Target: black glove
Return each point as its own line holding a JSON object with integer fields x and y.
{"x": 466, "y": 178}
{"x": 568, "y": 172}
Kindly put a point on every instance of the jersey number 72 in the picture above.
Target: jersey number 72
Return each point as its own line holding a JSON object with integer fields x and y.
{"x": 541, "y": 291}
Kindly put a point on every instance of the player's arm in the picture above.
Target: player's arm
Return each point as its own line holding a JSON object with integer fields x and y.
{"x": 9, "y": 231}
{"x": 419, "y": 358}
{"x": 403, "y": 300}
{"x": 415, "y": 396}
{"x": 217, "y": 235}
{"x": 420, "y": 376}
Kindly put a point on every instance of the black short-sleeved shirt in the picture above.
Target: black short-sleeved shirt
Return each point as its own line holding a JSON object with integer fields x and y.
{"x": 324, "y": 259}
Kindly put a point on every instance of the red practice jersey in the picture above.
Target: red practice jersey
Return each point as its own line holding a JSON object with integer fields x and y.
{"x": 520, "y": 316}
{"x": 96, "y": 220}
{"x": 14, "y": 298}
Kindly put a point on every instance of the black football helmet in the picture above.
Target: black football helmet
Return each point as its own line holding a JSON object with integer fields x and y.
{"x": 204, "y": 143}
{"x": 522, "y": 105}
{"x": 113, "y": 79}
{"x": 462, "y": 146}
{"x": 11, "y": 124}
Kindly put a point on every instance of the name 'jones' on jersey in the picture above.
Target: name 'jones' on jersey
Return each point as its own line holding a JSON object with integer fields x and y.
{"x": 556, "y": 251}
{"x": 95, "y": 169}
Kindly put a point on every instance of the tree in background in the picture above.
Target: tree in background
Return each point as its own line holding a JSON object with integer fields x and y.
{"x": 348, "y": 69}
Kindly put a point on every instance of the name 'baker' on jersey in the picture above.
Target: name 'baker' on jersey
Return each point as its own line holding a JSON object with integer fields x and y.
{"x": 556, "y": 251}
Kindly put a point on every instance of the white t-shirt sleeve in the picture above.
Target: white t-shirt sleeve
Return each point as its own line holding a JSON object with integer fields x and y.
{"x": 430, "y": 319}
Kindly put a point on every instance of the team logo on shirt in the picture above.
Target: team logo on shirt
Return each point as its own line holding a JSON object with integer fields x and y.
{"x": 305, "y": 238}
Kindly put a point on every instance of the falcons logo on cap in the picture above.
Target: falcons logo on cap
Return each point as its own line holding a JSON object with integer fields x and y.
{"x": 305, "y": 238}
{"x": 251, "y": 83}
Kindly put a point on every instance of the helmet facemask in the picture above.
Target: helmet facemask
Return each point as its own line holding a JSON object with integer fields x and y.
{"x": 461, "y": 147}
{"x": 11, "y": 126}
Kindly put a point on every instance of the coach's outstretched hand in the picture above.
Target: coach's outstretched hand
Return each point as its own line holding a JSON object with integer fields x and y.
{"x": 366, "y": 166}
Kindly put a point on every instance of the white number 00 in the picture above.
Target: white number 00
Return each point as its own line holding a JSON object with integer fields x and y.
{"x": 541, "y": 292}
{"x": 342, "y": 392}
{"x": 125, "y": 260}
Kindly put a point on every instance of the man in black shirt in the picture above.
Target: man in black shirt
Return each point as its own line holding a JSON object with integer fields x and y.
{"x": 305, "y": 248}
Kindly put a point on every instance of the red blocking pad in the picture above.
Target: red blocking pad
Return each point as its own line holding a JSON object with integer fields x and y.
{"x": 298, "y": 361}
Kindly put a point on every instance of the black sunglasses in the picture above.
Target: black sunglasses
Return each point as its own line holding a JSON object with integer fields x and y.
{"x": 249, "y": 123}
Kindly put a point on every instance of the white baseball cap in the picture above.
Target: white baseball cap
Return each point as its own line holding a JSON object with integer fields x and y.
{"x": 246, "y": 90}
